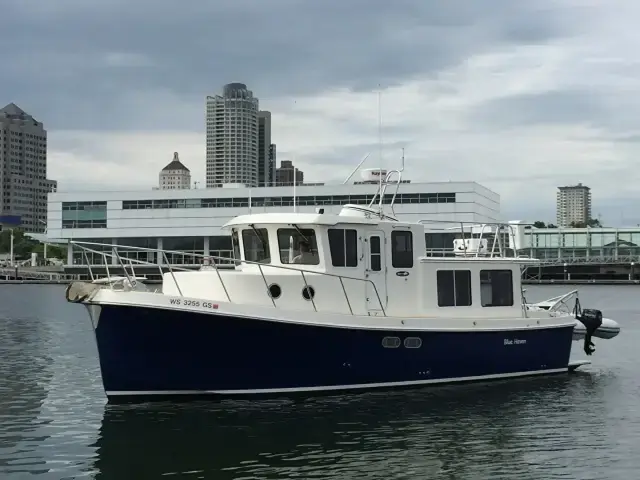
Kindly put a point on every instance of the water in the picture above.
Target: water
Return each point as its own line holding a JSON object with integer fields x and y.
{"x": 55, "y": 424}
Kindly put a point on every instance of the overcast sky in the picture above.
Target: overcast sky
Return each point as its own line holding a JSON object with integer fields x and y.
{"x": 519, "y": 95}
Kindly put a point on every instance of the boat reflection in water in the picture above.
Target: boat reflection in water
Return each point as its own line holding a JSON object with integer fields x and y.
{"x": 472, "y": 431}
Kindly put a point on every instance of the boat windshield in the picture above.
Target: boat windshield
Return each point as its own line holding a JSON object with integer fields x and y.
{"x": 298, "y": 246}
{"x": 256, "y": 245}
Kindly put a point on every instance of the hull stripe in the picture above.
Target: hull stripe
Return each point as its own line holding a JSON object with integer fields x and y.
{"x": 335, "y": 387}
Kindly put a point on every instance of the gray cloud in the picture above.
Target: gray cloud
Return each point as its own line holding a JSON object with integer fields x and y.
{"x": 576, "y": 106}
{"x": 82, "y": 64}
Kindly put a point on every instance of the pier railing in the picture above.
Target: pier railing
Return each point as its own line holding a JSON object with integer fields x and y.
{"x": 209, "y": 261}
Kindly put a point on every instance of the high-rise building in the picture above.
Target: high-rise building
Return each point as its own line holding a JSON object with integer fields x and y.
{"x": 271, "y": 165}
{"x": 573, "y": 205}
{"x": 266, "y": 169}
{"x": 287, "y": 174}
{"x": 175, "y": 175}
{"x": 232, "y": 137}
{"x": 23, "y": 168}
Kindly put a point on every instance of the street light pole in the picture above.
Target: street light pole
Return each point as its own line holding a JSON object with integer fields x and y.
{"x": 11, "y": 247}
{"x": 44, "y": 243}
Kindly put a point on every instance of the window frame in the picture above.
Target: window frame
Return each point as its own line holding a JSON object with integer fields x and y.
{"x": 349, "y": 255}
{"x": 402, "y": 259}
{"x": 483, "y": 281}
{"x": 455, "y": 273}
{"x": 310, "y": 233}
{"x": 254, "y": 235}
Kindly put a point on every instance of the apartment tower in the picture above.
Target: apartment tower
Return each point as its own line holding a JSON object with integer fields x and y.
{"x": 573, "y": 205}
{"x": 232, "y": 137}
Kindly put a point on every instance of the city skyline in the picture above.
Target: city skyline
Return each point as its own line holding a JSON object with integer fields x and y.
{"x": 517, "y": 97}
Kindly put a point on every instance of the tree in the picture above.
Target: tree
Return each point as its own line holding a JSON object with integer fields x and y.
{"x": 541, "y": 224}
{"x": 23, "y": 246}
{"x": 592, "y": 222}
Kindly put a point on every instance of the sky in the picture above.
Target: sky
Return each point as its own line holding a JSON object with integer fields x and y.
{"x": 521, "y": 96}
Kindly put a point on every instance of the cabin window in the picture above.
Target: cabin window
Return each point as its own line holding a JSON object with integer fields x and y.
{"x": 235, "y": 241}
{"x": 454, "y": 288}
{"x": 375, "y": 253}
{"x": 256, "y": 245}
{"x": 402, "y": 249}
{"x": 496, "y": 288}
{"x": 298, "y": 246}
{"x": 343, "y": 244}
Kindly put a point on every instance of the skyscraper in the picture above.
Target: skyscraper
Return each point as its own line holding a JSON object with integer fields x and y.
{"x": 23, "y": 168}
{"x": 266, "y": 168}
{"x": 573, "y": 205}
{"x": 232, "y": 137}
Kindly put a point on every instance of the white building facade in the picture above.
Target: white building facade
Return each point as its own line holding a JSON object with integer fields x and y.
{"x": 190, "y": 221}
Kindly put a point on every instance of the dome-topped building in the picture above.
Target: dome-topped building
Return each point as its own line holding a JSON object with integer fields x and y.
{"x": 175, "y": 175}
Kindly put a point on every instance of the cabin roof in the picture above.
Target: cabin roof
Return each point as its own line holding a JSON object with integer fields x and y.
{"x": 287, "y": 218}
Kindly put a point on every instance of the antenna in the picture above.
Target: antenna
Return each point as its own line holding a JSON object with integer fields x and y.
{"x": 295, "y": 178}
{"x": 380, "y": 124}
{"x": 356, "y": 169}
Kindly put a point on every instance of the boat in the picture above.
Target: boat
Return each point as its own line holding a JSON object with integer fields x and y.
{"x": 319, "y": 303}
{"x": 608, "y": 328}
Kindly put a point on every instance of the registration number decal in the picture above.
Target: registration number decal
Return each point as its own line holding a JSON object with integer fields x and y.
{"x": 193, "y": 303}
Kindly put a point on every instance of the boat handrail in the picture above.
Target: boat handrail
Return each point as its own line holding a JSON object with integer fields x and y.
{"x": 114, "y": 253}
{"x": 480, "y": 230}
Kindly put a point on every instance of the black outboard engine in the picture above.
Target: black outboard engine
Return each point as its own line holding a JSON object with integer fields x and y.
{"x": 591, "y": 319}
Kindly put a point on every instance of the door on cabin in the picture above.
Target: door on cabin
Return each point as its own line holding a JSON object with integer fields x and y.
{"x": 376, "y": 272}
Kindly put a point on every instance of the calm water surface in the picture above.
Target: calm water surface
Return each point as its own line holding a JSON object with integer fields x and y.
{"x": 55, "y": 424}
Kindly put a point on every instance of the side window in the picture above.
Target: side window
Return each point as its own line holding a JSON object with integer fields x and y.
{"x": 256, "y": 245}
{"x": 235, "y": 241}
{"x": 298, "y": 246}
{"x": 496, "y": 288}
{"x": 375, "y": 254}
{"x": 454, "y": 288}
{"x": 343, "y": 245}
{"x": 402, "y": 249}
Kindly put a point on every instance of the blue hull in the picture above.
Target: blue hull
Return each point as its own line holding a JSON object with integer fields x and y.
{"x": 148, "y": 353}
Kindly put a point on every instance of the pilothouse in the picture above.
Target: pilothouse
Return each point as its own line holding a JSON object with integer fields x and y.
{"x": 325, "y": 302}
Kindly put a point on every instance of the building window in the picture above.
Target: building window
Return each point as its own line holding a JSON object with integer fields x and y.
{"x": 402, "y": 249}
{"x": 298, "y": 246}
{"x": 343, "y": 244}
{"x": 496, "y": 288}
{"x": 84, "y": 224}
{"x": 454, "y": 288}
{"x": 307, "y": 200}
{"x": 256, "y": 245}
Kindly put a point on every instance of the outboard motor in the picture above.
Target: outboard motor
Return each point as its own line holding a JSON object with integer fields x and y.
{"x": 592, "y": 320}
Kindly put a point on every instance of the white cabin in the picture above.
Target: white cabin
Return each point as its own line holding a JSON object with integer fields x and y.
{"x": 358, "y": 262}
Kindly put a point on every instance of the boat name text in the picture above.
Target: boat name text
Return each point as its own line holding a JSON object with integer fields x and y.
{"x": 515, "y": 341}
{"x": 193, "y": 303}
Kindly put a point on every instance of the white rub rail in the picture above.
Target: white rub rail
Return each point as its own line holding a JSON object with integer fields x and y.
{"x": 131, "y": 277}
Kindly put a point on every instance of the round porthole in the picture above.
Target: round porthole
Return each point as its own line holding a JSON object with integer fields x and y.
{"x": 274, "y": 290}
{"x": 308, "y": 293}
